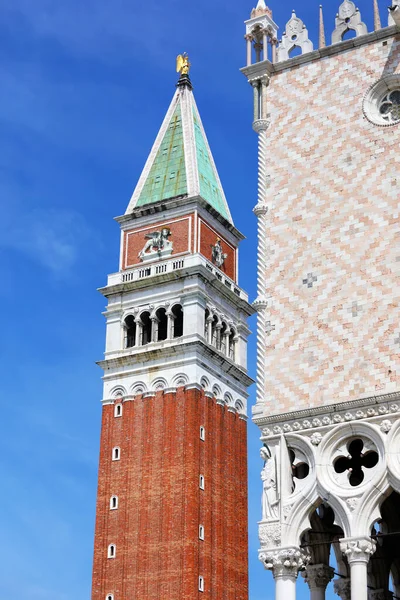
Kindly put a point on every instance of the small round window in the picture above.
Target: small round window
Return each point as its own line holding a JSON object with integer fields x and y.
{"x": 382, "y": 102}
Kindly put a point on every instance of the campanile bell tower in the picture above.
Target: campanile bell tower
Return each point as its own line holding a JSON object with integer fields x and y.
{"x": 328, "y": 398}
{"x": 172, "y": 494}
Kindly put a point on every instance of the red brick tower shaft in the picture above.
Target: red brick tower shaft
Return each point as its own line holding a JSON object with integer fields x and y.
{"x": 172, "y": 495}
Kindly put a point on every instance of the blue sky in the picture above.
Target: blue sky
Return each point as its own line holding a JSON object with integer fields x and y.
{"x": 84, "y": 87}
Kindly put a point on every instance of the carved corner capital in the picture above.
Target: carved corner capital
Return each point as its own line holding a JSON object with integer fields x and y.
{"x": 260, "y": 303}
{"x": 318, "y": 576}
{"x": 285, "y": 562}
{"x": 260, "y": 209}
{"x": 358, "y": 549}
{"x": 342, "y": 588}
{"x": 261, "y": 125}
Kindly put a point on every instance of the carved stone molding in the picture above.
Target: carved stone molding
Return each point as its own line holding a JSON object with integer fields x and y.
{"x": 269, "y": 534}
{"x": 358, "y": 549}
{"x": 342, "y": 588}
{"x": 261, "y": 125}
{"x": 285, "y": 562}
{"x": 318, "y": 576}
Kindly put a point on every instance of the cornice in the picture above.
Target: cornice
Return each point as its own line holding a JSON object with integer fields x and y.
{"x": 318, "y": 410}
{"x": 185, "y": 202}
{"x": 198, "y": 348}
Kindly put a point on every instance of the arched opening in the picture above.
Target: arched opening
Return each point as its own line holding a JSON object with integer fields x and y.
{"x": 223, "y": 340}
{"x": 206, "y": 323}
{"x": 232, "y": 344}
{"x": 114, "y": 502}
{"x": 349, "y": 34}
{"x": 295, "y": 51}
{"x": 146, "y": 328}
{"x": 162, "y": 324}
{"x": 130, "y": 332}
{"x": 384, "y": 566}
{"x": 321, "y": 541}
{"x": 118, "y": 410}
{"x": 112, "y": 550}
{"x": 214, "y": 324}
{"x": 178, "y": 321}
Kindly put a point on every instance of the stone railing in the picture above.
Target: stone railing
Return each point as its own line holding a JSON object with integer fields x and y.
{"x": 173, "y": 264}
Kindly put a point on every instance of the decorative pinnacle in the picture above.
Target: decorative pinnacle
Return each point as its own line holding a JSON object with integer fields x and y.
{"x": 377, "y": 17}
{"x": 322, "y": 40}
{"x": 261, "y": 9}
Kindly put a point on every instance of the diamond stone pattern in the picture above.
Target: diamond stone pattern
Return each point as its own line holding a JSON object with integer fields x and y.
{"x": 343, "y": 220}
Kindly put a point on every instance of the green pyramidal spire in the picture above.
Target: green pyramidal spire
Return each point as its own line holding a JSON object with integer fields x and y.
{"x": 180, "y": 162}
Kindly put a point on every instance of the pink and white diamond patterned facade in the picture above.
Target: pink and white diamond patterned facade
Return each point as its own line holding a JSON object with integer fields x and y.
{"x": 328, "y": 299}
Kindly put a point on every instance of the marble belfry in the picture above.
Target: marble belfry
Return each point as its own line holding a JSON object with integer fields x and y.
{"x": 171, "y": 518}
{"x": 328, "y": 371}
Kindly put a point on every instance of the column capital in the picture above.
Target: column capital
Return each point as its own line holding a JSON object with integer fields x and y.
{"x": 358, "y": 550}
{"x": 260, "y": 303}
{"x": 285, "y": 562}
{"x": 318, "y": 576}
{"x": 260, "y": 210}
{"x": 380, "y": 594}
{"x": 261, "y": 125}
{"x": 248, "y": 37}
{"x": 342, "y": 588}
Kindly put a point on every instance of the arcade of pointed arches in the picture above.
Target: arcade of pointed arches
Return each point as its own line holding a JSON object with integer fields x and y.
{"x": 340, "y": 494}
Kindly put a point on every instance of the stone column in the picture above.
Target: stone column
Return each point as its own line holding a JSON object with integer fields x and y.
{"x": 342, "y": 588}
{"x": 261, "y": 211}
{"x": 170, "y": 324}
{"x": 209, "y": 329}
{"x": 154, "y": 328}
{"x": 317, "y": 577}
{"x": 358, "y": 552}
{"x": 218, "y": 327}
{"x": 138, "y": 331}
{"x": 226, "y": 335}
{"x": 265, "y": 44}
{"x": 274, "y": 43}
{"x": 285, "y": 565}
{"x": 249, "y": 40}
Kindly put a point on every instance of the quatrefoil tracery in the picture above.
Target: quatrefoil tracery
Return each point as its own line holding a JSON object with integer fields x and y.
{"x": 356, "y": 462}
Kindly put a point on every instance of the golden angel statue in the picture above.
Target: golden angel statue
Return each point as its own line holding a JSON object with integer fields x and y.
{"x": 182, "y": 64}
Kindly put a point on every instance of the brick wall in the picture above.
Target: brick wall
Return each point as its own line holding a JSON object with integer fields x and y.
{"x": 333, "y": 259}
{"x": 207, "y": 238}
{"x": 181, "y": 237}
{"x": 156, "y": 527}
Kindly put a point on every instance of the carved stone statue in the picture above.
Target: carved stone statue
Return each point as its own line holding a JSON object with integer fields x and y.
{"x": 183, "y": 64}
{"x": 218, "y": 256}
{"x": 157, "y": 245}
{"x": 270, "y": 501}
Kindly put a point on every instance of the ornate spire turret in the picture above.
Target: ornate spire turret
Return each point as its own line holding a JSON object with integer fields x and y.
{"x": 261, "y": 9}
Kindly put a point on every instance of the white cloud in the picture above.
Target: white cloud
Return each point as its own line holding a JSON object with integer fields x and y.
{"x": 52, "y": 238}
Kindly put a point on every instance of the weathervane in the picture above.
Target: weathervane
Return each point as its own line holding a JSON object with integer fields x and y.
{"x": 183, "y": 64}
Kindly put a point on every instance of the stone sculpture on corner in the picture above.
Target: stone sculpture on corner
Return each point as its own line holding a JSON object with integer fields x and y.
{"x": 218, "y": 256}
{"x": 270, "y": 500}
{"x": 157, "y": 245}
